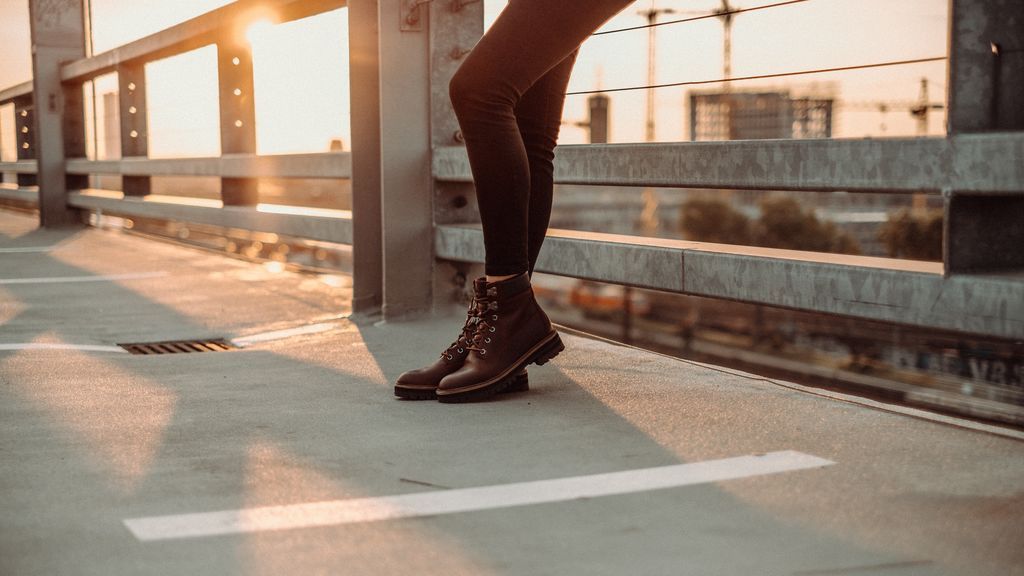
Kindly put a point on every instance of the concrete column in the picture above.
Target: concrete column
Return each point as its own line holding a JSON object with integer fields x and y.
{"x": 131, "y": 81}
{"x": 237, "y": 113}
{"x": 455, "y": 27}
{"x": 984, "y": 233}
{"x": 58, "y": 35}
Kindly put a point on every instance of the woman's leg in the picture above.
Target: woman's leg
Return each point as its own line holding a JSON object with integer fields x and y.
{"x": 539, "y": 116}
{"x": 529, "y": 39}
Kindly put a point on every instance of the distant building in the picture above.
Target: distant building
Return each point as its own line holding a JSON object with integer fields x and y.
{"x": 758, "y": 115}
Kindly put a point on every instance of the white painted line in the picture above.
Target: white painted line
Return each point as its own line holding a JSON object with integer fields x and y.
{"x": 337, "y": 512}
{"x": 26, "y": 249}
{"x": 46, "y": 346}
{"x": 105, "y": 278}
{"x": 282, "y": 334}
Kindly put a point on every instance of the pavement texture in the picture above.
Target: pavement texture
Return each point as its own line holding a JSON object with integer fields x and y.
{"x": 89, "y": 438}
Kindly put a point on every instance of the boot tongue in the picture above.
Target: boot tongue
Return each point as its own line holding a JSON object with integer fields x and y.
{"x": 480, "y": 286}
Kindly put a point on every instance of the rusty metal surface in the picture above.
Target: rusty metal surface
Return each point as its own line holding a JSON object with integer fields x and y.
{"x": 989, "y": 163}
{"x": 902, "y": 291}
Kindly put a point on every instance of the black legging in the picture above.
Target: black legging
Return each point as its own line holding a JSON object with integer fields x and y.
{"x": 508, "y": 96}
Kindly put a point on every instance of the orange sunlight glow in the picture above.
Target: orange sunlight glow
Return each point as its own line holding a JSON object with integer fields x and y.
{"x": 257, "y": 30}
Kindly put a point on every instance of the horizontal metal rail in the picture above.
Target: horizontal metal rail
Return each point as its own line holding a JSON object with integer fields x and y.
{"x": 320, "y": 165}
{"x": 311, "y": 223}
{"x": 20, "y": 166}
{"x": 902, "y": 291}
{"x": 194, "y": 33}
{"x": 973, "y": 163}
{"x": 26, "y": 195}
{"x": 16, "y": 91}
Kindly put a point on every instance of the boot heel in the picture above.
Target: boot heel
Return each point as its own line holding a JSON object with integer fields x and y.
{"x": 549, "y": 351}
{"x": 520, "y": 383}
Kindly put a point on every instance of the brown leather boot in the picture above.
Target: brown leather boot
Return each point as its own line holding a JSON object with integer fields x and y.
{"x": 510, "y": 333}
{"x": 421, "y": 383}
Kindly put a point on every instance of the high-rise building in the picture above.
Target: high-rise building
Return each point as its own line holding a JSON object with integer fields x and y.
{"x": 758, "y": 115}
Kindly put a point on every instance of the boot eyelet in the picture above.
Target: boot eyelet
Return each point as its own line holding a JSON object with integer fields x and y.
{"x": 460, "y": 350}
{"x": 494, "y": 317}
{"x": 448, "y": 356}
{"x": 483, "y": 351}
{"x": 487, "y": 340}
{"x": 492, "y": 328}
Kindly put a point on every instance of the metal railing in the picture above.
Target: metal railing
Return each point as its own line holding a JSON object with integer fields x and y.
{"x": 414, "y": 214}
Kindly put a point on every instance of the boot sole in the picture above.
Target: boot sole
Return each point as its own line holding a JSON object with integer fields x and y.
{"x": 539, "y": 354}
{"x": 520, "y": 383}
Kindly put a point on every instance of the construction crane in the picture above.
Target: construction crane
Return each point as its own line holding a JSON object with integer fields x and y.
{"x": 919, "y": 109}
{"x": 725, "y": 12}
{"x": 652, "y": 14}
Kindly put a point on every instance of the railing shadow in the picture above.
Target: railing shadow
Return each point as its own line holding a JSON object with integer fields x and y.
{"x": 313, "y": 419}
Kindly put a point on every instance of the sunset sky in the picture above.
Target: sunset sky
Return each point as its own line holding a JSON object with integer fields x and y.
{"x": 311, "y": 54}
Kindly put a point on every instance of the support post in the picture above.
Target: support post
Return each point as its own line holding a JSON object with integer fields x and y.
{"x": 74, "y": 133}
{"x": 455, "y": 27}
{"x": 58, "y": 35}
{"x": 237, "y": 113}
{"x": 405, "y": 156}
{"x": 24, "y": 124}
{"x": 984, "y": 233}
{"x": 364, "y": 81}
{"x": 131, "y": 81}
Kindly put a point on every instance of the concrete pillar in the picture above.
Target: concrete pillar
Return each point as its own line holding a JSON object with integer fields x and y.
{"x": 984, "y": 233}
{"x": 58, "y": 35}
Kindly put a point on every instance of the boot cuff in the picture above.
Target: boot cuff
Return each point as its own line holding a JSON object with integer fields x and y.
{"x": 511, "y": 286}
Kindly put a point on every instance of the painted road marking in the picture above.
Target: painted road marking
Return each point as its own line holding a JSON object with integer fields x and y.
{"x": 26, "y": 249}
{"x": 62, "y": 279}
{"x": 48, "y": 346}
{"x": 335, "y": 512}
{"x": 244, "y": 341}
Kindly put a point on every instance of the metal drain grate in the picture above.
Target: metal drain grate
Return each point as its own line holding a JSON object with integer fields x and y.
{"x": 178, "y": 346}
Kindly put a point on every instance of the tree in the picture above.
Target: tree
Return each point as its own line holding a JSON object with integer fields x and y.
{"x": 712, "y": 220}
{"x": 784, "y": 224}
{"x": 913, "y": 234}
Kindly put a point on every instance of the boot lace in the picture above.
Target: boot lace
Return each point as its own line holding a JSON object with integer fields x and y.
{"x": 483, "y": 327}
{"x": 477, "y": 307}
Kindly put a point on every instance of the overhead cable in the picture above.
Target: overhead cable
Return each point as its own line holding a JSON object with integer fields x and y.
{"x": 701, "y": 17}
{"x": 762, "y": 76}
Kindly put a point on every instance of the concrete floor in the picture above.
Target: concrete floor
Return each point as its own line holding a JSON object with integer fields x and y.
{"x": 91, "y": 438}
